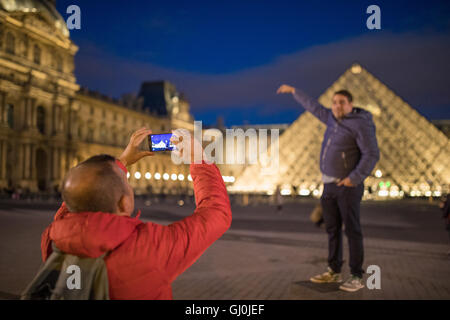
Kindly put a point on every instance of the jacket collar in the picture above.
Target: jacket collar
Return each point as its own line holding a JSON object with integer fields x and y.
{"x": 91, "y": 234}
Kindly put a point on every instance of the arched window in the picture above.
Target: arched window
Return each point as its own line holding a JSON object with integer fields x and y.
{"x": 10, "y": 43}
{"x": 10, "y": 115}
{"x": 37, "y": 54}
{"x": 41, "y": 119}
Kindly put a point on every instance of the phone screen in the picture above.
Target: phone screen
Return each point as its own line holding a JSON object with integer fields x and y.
{"x": 161, "y": 142}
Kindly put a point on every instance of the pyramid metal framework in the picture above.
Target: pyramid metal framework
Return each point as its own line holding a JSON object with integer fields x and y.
{"x": 414, "y": 154}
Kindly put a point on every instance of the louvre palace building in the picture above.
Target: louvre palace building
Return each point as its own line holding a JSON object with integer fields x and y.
{"x": 48, "y": 123}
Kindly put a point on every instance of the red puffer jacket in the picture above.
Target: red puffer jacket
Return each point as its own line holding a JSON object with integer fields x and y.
{"x": 145, "y": 258}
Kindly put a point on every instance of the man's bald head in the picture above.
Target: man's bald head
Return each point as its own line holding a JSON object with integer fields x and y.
{"x": 96, "y": 184}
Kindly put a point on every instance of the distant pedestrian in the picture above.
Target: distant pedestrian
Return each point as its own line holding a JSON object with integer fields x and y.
{"x": 278, "y": 199}
{"x": 317, "y": 215}
{"x": 348, "y": 155}
{"x": 445, "y": 206}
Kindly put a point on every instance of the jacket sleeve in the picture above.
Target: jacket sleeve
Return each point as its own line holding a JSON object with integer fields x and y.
{"x": 370, "y": 154}
{"x": 312, "y": 105}
{"x": 180, "y": 244}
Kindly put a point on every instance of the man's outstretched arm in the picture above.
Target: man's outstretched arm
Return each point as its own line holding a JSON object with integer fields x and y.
{"x": 181, "y": 243}
{"x": 310, "y": 104}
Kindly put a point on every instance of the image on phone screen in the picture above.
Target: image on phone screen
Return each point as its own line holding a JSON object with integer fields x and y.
{"x": 161, "y": 142}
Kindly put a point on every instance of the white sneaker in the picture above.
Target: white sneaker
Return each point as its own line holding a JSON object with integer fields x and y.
{"x": 353, "y": 284}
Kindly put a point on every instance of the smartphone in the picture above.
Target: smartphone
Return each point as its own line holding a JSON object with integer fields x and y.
{"x": 160, "y": 142}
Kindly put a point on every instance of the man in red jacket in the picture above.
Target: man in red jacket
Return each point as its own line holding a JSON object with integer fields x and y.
{"x": 144, "y": 258}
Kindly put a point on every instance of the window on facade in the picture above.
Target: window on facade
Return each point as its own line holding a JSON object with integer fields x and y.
{"x": 114, "y": 138}
{"x": 10, "y": 115}
{"x": 60, "y": 118}
{"x": 41, "y": 119}
{"x": 80, "y": 132}
{"x": 23, "y": 47}
{"x": 59, "y": 63}
{"x": 103, "y": 134}
{"x": 37, "y": 54}
{"x": 1, "y": 35}
{"x": 90, "y": 135}
{"x": 10, "y": 43}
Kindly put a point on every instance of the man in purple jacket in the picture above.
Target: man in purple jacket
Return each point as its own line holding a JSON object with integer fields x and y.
{"x": 348, "y": 155}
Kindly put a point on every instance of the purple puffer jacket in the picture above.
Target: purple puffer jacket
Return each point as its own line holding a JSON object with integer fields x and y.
{"x": 349, "y": 148}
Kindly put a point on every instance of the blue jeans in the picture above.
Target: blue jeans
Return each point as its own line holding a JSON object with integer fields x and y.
{"x": 341, "y": 205}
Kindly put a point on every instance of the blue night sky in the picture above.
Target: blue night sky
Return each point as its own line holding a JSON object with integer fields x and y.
{"x": 229, "y": 57}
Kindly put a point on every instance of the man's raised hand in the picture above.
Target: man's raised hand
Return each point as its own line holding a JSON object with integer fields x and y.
{"x": 132, "y": 154}
{"x": 284, "y": 88}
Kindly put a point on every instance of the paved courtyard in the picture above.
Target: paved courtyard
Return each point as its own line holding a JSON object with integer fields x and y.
{"x": 266, "y": 255}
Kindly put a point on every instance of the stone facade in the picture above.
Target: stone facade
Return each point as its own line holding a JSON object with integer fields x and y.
{"x": 49, "y": 124}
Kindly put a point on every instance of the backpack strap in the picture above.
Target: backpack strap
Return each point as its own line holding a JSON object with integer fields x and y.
{"x": 56, "y": 250}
